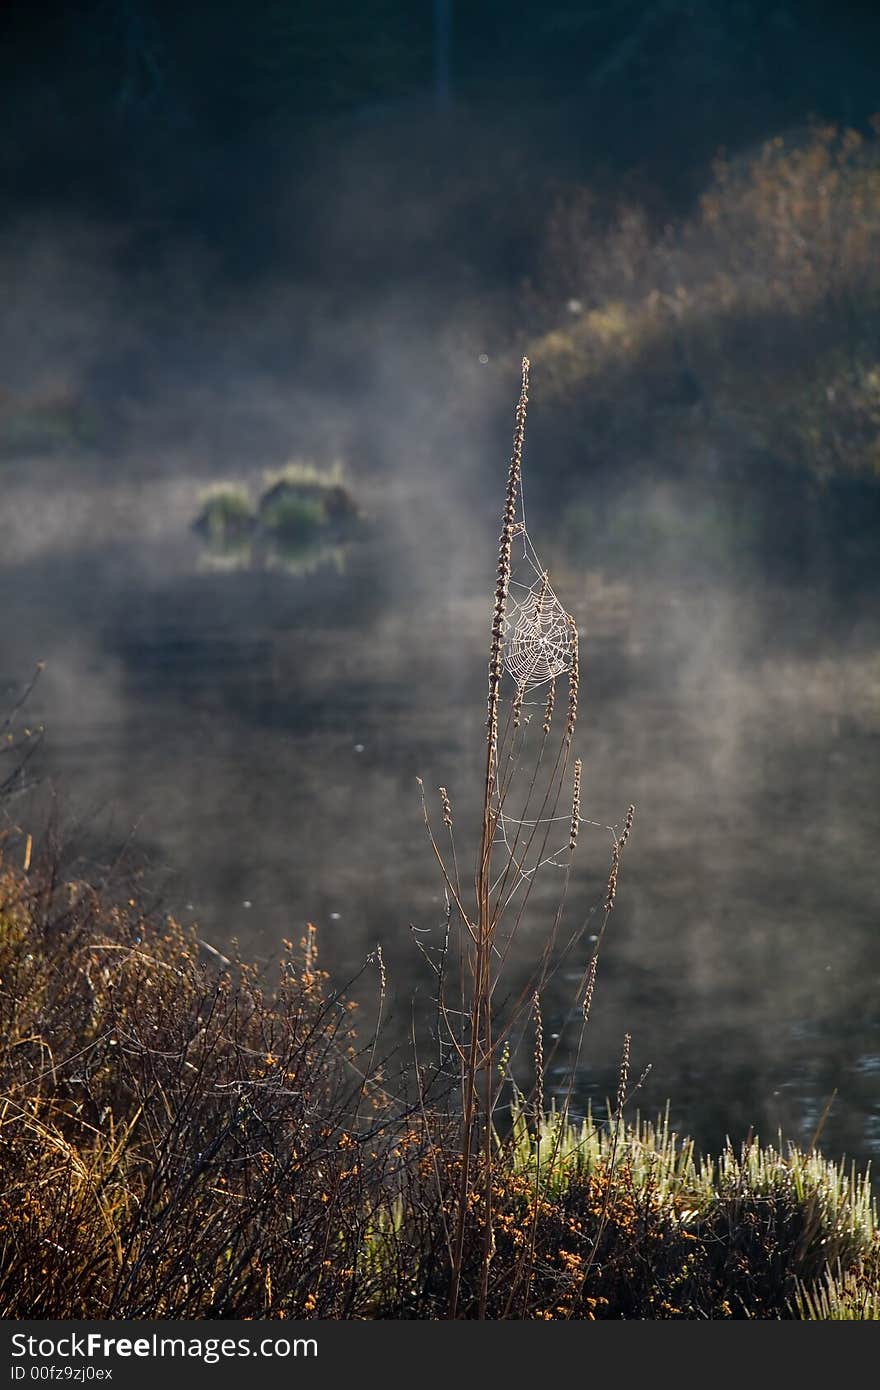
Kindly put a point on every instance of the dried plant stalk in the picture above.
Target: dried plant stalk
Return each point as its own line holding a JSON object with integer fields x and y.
{"x": 575, "y": 807}
{"x": 611, "y": 889}
{"x": 479, "y": 1056}
{"x": 549, "y": 707}
{"x": 517, "y": 707}
{"x": 573, "y": 684}
{"x": 502, "y": 586}
{"x": 539, "y": 1062}
{"x": 590, "y": 987}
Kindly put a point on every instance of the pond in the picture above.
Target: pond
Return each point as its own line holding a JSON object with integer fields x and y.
{"x": 256, "y": 732}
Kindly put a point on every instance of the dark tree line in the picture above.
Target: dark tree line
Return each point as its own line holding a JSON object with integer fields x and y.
{"x": 231, "y": 61}
{"x": 127, "y": 99}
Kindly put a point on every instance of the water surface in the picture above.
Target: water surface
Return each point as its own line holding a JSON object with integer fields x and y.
{"x": 259, "y": 732}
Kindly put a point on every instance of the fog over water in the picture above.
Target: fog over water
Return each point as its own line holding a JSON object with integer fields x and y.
{"x": 259, "y": 732}
{"x": 252, "y": 733}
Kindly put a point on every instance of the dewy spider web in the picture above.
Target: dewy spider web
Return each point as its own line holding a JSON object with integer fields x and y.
{"x": 538, "y": 631}
{"x": 539, "y": 637}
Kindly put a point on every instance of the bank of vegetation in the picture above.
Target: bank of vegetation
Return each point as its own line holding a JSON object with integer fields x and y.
{"x": 729, "y": 359}
{"x": 181, "y": 1139}
{"x": 184, "y": 1137}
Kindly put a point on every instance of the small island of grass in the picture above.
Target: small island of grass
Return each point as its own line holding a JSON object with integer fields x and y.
{"x": 302, "y": 517}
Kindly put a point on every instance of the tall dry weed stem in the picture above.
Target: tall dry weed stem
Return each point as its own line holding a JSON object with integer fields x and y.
{"x": 520, "y": 835}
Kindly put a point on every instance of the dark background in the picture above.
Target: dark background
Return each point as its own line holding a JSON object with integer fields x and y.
{"x": 195, "y": 115}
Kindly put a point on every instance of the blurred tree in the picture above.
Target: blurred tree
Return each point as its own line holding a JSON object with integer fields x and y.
{"x": 142, "y": 84}
{"x": 272, "y": 58}
{"x": 442, "y": 53}
{"x": 654, "y": 86}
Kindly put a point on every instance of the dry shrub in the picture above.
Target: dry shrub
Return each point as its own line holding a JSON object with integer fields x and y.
{"x": 762, "y": 307}
{"x": 179, "y": 1141}
{"x": 175, "y": 1138}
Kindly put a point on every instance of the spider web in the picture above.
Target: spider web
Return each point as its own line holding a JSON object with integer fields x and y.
{"x": 538, "y": 646}
{"x": 538, "y": 631}
{"x": 539, "y": 636}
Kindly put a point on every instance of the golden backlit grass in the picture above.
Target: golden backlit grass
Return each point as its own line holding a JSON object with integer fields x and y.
{"x": 762, "y": 306}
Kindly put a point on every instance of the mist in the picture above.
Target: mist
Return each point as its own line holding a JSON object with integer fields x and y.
{"x": 355, "y": 287}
